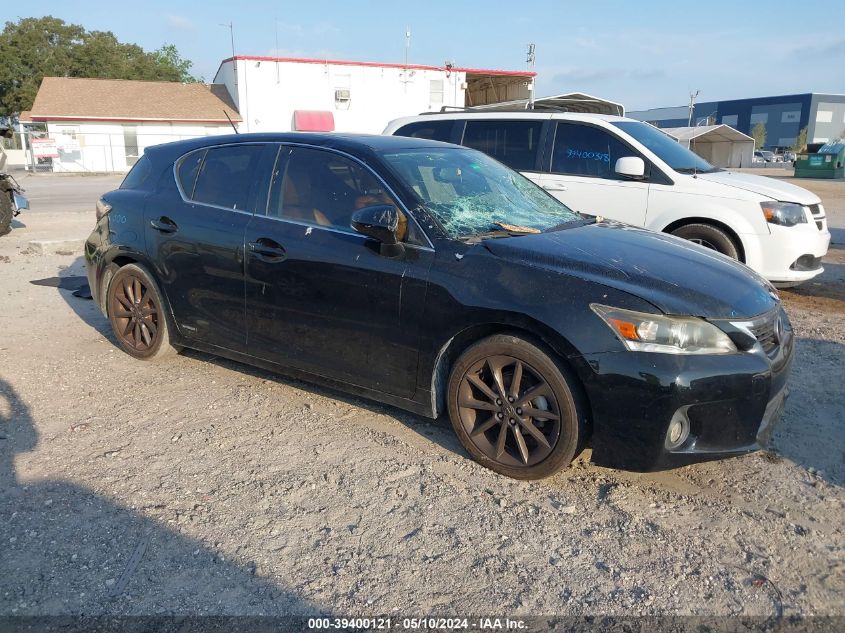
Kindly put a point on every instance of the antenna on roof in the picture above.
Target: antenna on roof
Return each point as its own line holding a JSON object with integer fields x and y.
{"x": 234, "y": 127}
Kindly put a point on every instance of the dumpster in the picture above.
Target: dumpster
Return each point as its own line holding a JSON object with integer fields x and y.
{"x": 828, "y": 161}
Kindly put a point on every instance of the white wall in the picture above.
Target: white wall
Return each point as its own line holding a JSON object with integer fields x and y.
{"x": 269, "y": 92}
{"x": 101, "y": 146}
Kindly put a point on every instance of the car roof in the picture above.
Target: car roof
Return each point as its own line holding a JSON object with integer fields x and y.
{"x": 355, "y": 144}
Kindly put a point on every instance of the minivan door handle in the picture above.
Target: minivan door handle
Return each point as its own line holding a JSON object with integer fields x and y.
{"x": 164, "y": 224}
{"x": 267, "y": 250}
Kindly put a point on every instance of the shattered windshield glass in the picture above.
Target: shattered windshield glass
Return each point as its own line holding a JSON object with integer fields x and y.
{"x": 471, "y": 194}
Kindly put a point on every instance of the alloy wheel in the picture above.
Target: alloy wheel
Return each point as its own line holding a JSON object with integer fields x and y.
{"x": 135, "y": 314}
{"x": 509, "y": 411}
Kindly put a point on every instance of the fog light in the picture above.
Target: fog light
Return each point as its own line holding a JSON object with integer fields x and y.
{"x": 678, "y": 431}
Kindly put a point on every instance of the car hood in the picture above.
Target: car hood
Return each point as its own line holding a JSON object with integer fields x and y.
{"x": 769, "y": 187}
{"x": 674, "y": 275}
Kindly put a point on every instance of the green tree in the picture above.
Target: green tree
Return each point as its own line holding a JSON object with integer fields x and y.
{"x": 34, "y": 48}
{"x": 758, "y": 133}
{"x": 800, "y": 141}
{"x": 168, "y": 57}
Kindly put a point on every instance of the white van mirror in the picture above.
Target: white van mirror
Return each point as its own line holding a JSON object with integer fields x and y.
{"x": 630, "y": 166}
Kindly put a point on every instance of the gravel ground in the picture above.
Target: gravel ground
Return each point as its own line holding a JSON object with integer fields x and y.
{"x": 201, "y": 486}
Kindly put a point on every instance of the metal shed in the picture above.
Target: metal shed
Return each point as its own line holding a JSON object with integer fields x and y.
{"x": 720, "y": 145}
{"x": 569, "y": 102}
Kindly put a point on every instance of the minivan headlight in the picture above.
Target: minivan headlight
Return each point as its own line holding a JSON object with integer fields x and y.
{"x": 783, "y": 213}
{"x": 645, "y": 332}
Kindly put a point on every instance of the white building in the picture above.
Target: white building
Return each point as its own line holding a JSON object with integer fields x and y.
{"x": 103, "y": 125}
{"x": 276, "y": 94}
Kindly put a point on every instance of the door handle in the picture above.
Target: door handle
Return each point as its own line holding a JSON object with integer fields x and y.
{"x": 164, "y": 224}
{"x": 555, "y": 186}
{"x": 267, "y": 250}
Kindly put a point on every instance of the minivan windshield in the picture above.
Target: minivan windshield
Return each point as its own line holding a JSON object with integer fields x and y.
{"x": 667, "y": 149}
{"x": 471, "y": 194}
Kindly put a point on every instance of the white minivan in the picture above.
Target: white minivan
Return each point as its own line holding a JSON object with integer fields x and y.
{"x": 630, "y": 171}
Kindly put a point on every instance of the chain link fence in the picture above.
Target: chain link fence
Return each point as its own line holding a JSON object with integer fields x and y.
{"x": 69, "y": 150}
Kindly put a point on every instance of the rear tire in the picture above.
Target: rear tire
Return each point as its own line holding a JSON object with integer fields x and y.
{"x": 514, "y": 409}
{"x": 6, "y": 212}
{"x": 137, "y": 314}
{"x": 709, "y": 236}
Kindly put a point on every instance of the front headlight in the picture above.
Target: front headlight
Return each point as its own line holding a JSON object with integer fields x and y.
{"x": 784, "y": 213}
{"x": 644, "y": 332}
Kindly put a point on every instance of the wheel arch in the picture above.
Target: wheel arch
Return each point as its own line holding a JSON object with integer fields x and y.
{"x": 737, "y": 240}
{"x": 112, "y": 262}
{"x": 551, "y": 341}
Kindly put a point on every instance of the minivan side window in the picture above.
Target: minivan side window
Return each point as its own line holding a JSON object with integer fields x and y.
{"x": 226, "y": 176}
{"x": 432, "y": 130}
{"x": 584, "y": 150}
{"x": 514, "y": 143}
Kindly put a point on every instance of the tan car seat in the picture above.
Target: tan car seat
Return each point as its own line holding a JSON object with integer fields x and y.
{"x": 295, "y": 195}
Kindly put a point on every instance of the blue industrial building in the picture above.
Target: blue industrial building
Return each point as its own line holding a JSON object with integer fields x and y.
{"x": 784, "y": 116}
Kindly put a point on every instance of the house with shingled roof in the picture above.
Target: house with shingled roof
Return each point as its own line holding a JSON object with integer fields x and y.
{"x": 104, "y": 125}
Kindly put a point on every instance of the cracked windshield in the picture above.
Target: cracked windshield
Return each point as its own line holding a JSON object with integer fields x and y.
{"x": 472, "y": 194}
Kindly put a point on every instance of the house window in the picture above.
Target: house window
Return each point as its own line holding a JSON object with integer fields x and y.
{"x": 130, "y": 144}
{"x": 435, "y": 91}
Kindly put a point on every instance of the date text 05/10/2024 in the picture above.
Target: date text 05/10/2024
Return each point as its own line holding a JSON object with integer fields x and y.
{"x": 409, "y": 624}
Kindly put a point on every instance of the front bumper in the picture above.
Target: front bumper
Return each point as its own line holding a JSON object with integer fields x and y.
{"x": 732, "y": 403}
{"x": 788, "y": 249}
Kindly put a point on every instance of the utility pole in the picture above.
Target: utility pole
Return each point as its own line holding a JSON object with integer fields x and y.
{"x": 234, "y": 61}
{"x": 692, "y": 97}
{"x": 530, "y": 61}
{"x": 276, "y": 52}
{"x": 407, "y": 73}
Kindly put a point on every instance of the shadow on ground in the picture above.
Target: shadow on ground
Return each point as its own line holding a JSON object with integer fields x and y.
{"x": 67, "y": 550}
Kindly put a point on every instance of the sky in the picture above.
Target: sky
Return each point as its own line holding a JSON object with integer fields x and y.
{"x": 641, "y": 54}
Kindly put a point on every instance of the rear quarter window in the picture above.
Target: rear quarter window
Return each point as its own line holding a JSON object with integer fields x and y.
{"x": 137, "y": 175}
{"x": 187, "y": 170}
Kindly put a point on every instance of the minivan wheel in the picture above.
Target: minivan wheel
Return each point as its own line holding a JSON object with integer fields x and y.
{"x": 710, "y": 236}
{"x": 513, "y": 409}
{"x": 136, "y": 313}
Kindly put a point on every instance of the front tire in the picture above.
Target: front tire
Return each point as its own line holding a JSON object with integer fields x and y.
{"x": 514, "y": 409}
{"x": 137, "y": 314}
{"x": 709, "y": 236}
{"x": 6, "y": 212}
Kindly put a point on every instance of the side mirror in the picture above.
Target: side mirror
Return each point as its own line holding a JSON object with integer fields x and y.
{"x": 380, "y": 222}
{"x": 630, "y": 167}
{"x": 19, "y": 202}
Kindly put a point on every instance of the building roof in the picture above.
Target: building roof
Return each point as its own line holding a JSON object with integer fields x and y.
{"x": 336, "y": 62}
{"x": 568, "y": 102}
{"x": 24, "y": 117}
{"x": 713, "y": 133}
{"x": 72, "y": 98}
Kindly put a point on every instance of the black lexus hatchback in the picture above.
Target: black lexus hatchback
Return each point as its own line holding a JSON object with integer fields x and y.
{"x": 433, "y": 278}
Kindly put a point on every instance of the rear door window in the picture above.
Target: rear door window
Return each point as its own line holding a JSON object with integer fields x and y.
{"x": 584, "y": 150}
{"x": 432, "y": 130}
{"x": 514, "y": 143}
{"x": 226, "y": 176}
